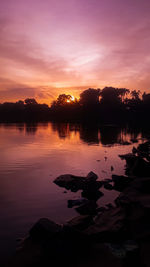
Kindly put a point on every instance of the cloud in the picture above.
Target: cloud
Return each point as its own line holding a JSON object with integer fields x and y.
{"x": 48, "y": 48}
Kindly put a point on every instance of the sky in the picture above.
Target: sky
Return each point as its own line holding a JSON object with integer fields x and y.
{"x": 49, "y": 47}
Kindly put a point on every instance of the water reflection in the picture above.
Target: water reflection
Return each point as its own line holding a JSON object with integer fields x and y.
{"x": 95, "y": 134}
{"x": 90, "y": 134}
{"x": 33, "y": 155}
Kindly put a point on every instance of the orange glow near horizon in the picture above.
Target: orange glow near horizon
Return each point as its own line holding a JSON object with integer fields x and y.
{"x": 71, "y": 99}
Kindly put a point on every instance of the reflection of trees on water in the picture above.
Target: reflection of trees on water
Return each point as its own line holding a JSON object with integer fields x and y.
{"x": 62, "y": 129}
{"x": 88, "y": 133}
{"x": 30, "y": 128}
{"x": 92, "y": 134}
{"x": 111, "y": 135}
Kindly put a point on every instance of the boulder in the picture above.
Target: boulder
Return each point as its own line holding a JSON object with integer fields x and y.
{"x": 75, "y": 183}
{"x": 121, "y": 182}
{"x": 76, "y": 202}
{"x": 136, "y": 165}
{"x": 44, "y": 229}
{"x": 70, "y": 181}
{"x": 108, "y": 186}
{"x": 91, "y": 177}
{"x": 109, "y": 226}
{"x": 92, "y": 192}
{"x": 137, "y": 192}
{"x": 81, "y": 222}
{"x": 88, "y": 208}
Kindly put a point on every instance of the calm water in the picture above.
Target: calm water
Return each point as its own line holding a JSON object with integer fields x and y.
{"x": 33, "y": 155}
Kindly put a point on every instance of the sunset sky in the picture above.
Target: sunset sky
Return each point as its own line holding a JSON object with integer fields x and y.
{"x": 48, "y": 47}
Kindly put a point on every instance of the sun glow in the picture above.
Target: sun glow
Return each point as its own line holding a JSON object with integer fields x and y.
{"x": 71, "y": 99}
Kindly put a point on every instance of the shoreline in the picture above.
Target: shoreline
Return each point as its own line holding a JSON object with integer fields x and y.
{"x": 124, "y": 239}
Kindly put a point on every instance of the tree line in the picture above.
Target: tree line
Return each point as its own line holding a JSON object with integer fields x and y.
{"x": 97, "y": 105}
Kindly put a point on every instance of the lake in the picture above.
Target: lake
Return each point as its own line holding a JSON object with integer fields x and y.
{"x": 33, "y": 155}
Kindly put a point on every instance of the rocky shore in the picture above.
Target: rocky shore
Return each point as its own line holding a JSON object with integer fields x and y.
{"x": 116, "y": 235}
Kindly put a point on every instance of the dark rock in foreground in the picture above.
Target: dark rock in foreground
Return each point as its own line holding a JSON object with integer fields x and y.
{"x": 44, "y": 229}
{"x": 76, "y": 202}
{"x": 124, "y": 227}
{"x": 88, "y": 208}
{"x": 121, "y": 182}
{"x": 81, "y": 222}
{"x": 136, "y": 166}
{"x": 75, "y": 183}
{"x": 89, "y": 185}
{"x": 108, "y": 186}
{"x": 108, "y": 226}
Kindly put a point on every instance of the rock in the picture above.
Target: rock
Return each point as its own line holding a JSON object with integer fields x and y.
{"x": 128, "y": 156}
{"x": 121, "y": 182}
{"x": 92, "y": 193}
{"x": 109, "y": 205}
{"x": 101, "y": 209}
{"x": 88, "y": 208}
{"x": 136, "y": 201}
{"x": 107, "y": 181}
{"x": 136, "y": 165}
{"x": 75, "y": 183}
{"x": 137, "y": 192}
{"x": 44, "y": 229}
{"x": 91, "y": 177}
{"x": 81, "y": 222}
{"x": 143, "y": 150}
{"x": 109, "y": 226}
{"x": 108, "y": 186}
{"x": 70, "y": 181}
{"x": 76, "y": 202}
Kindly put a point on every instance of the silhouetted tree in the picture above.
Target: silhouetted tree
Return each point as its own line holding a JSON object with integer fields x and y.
{"x": 20, "y": 102}
{"x": 135, "y": 94}
{"x": 90, "y": 96}
{"x": 122, "y": 92}
{"x": 110, "y": 96}
{"x": 62, "y": 100}
{"x": 146, "y": 98}
{"x": 30, "y": 101}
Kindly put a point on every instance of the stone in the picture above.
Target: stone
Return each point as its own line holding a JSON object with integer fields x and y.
{"x": 109, "y": 226}
{"x": 76, "y": 202}
{"x": 81, "y": 222}
{"x": 70, "y": 181}
{"x": 75, "y": 183}
{"x": 92, "y": 193}
{"x": 88, "y": 208}
{"x": 136, "y": 165}
{"x": 121, "y": 182}
{"x": 91, "y": 177}
{"x": 108, "y": 186}
{"x": 44, "y": 229}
